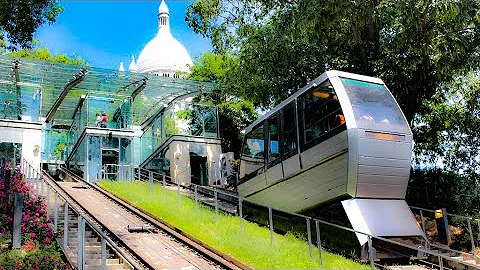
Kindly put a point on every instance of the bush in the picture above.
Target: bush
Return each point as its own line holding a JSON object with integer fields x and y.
{"x": 39, "y": 251}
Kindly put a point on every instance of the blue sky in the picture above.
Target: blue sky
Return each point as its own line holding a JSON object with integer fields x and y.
{"x": 105, "y": 33}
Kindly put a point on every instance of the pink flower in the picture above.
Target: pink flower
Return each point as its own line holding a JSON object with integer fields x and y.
{"x": 32, "y": 235}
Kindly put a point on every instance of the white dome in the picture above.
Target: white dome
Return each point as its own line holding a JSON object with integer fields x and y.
{"x": 164, "y": 54}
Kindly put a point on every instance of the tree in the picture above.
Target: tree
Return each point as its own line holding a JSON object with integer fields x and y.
{"x": 448, "y": 136}
{"x": 421, "y": 49}
{"x": 413, "y": 45}
{"x": 45, "y": 55}
{"x": 234, "y": 113}
{"x": 19, "y": 19}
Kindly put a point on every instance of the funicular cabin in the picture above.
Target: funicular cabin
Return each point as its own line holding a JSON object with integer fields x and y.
{"x": 341, "y": 138}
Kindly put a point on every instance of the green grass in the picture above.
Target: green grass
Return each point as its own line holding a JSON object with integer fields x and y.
{"x": 252, "y": 247}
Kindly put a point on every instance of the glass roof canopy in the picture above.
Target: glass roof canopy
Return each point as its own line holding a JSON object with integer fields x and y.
{"x": 31, "y": 79}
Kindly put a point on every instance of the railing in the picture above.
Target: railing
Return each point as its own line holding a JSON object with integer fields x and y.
{"x": 44, "y": 188}
{"x": 117, "y": 172}
{"x": 197, "y": 192}
{"x": 469, "y": 221}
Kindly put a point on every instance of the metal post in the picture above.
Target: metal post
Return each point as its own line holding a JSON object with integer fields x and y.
{"x": 440, "y": 262}
{"x": 196, "y": 198}
{"x": 319, "y": 242}
{"x": 150, "y": 182}
{"x": 370, "y": 252}
{"x": 478, "y": 222}
{"x": 39, "y": 181}
{"x": 240, "y": 214}
{"x": 447, "y": 229}
{"x": 164, "y": 188}
{"x": 55, "y": 211}
{"x": 423, "y": 222}
{"x": 81, "y": 234}
{"x": 309, "y": 237}
{"x": 17, "y": 220}
{"x": 65, "y": 226}
{"x": 471, "y": 234}
{"x": 42, "y": 186}
{"x": 270, "y": 222}
{"x": 48, "y": 201}
{"x": 216, "y": 205}
{"x": 178, "y": 192}
{"x": 104, "y": 254}
{"x": 138, "y": 175}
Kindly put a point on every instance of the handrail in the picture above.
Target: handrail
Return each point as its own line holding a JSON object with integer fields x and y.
{"x": 452, "y": 215}
{"x": 87, "y": 220}
{"x": 369, "y": 236}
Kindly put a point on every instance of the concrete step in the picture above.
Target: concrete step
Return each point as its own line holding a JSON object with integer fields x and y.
{"x": 98, "y": 262}
{"x": 474, "y": 262}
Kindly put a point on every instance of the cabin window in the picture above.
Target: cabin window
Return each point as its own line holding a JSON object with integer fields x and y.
{"x": 273, "y": 136}
{"x": 374, "y": 107}
{"x": 253, "y": 151}
{"x": 289, "y": 131}
{"x": 322, "y": 114}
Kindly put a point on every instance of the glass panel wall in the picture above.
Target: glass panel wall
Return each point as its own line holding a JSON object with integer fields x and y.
{"x": 109, "y": 158}
{"x": 20, "y": 102}
{"x": 108, "y": 112}
{"x": 180, "y": 118}
{"x": 77, "y": 163}
{"x": 55, "y": 144}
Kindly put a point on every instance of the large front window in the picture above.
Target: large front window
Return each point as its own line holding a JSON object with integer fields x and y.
{"x": 374, "y": 107}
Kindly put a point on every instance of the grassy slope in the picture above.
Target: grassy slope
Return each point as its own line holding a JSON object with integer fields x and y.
{"x": 251, "y": 247}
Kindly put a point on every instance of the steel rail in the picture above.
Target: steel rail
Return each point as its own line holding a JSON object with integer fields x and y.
{"x": 207, "y": 251}
{"x": 88, "y": 218}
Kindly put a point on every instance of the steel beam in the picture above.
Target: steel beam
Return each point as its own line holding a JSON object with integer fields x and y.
{"x": 78, "y": 79}
{"x": 139, "y": 89}
{"x": 16, "y": 64}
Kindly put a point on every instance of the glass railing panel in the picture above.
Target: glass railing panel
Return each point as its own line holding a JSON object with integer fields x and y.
{"x": 55, "y": 144}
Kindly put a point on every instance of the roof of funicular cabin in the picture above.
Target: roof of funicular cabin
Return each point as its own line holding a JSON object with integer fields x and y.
{"x": 52, "y": 78}
{"x": 317, "y": 81}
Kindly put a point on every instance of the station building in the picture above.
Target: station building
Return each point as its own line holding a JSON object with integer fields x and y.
{"x": 105, "y": 123}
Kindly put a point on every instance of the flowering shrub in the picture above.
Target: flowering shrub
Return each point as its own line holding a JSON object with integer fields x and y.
{"x": 39, "y": 250}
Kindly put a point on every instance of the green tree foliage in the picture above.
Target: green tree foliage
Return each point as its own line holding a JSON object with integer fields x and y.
{"x": 19, "y": 19}
{"x": 45, "y": 55}
{"x": 448, "y": 135}
{"x": 234, "y": 113}
{"x": 449, "y": 139}
{"x": 413, "y": 45}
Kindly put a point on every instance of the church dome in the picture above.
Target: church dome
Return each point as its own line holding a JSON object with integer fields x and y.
{"x": 164, "y": 55}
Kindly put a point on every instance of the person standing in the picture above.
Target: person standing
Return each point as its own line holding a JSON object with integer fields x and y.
{"x": 104, "y": 120}
{"x": 98, "y": 120}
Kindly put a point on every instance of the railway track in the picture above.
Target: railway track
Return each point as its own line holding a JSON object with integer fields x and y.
{"x": 213, "y": 258}
{"x": 399, "y": 257}
{"x": 153, "y": 244}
